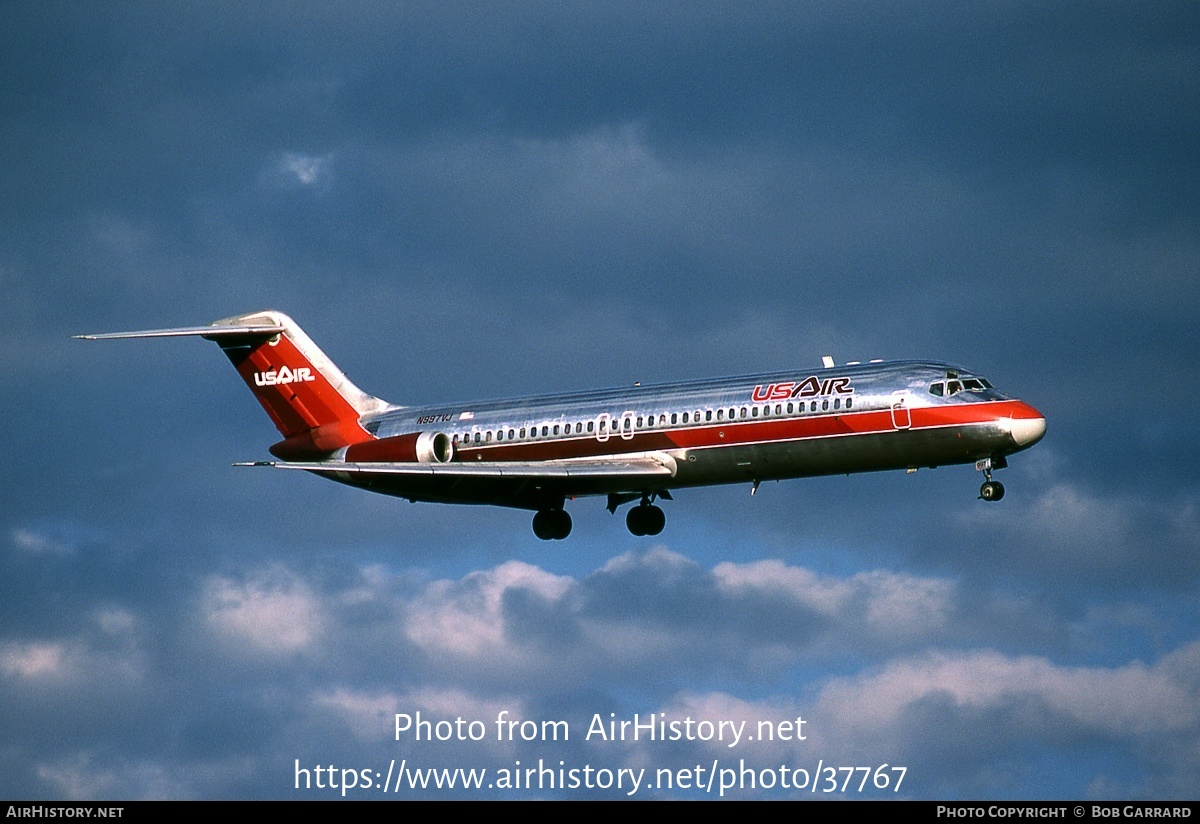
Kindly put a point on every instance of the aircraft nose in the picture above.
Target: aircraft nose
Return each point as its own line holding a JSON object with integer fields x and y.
{"x": 1027, "y": 431}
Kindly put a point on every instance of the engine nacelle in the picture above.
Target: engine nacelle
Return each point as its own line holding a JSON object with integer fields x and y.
{"x": 434, "y": 447}
{"x": 419, "y": 447}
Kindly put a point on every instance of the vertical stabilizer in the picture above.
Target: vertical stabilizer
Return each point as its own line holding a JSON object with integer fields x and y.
{"x": 311, "y": 402}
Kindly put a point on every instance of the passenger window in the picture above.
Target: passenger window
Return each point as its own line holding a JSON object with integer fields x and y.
{"x": 708, "y": 415}
{"x": 790, "y": 407}
{"x": 824, "y": 405}
{"x": 813, "y": 407}
{"x": 754, "y": 412}
{"x": 720, "y": 414}
{"x": 837, "y": 403}
{"x": 685, "y": 417}
{"x": 478, "y": 437}
{"x": 849, "y": 402}
{"x": 590, "y": 425}
{"x": 743, "y": 415}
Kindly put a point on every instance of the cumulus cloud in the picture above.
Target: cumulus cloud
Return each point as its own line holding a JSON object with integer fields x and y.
{"x": 638, "y": 613}
{"x": 983, "y": 708}
{"x": 1134, "y": 699}
{"x": 371, "y": 716}
{"x": 271, "y": 611}
{"x": 465, "y": 617}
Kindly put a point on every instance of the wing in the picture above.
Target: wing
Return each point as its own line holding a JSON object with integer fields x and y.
{"x": 523, "y": 484}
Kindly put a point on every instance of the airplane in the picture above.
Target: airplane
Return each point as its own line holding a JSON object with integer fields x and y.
{"x": 635, "y": 443}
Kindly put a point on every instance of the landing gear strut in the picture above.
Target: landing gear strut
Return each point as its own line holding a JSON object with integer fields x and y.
{"x": 645, "y": 519}
{"x": 552, "y": 524}
{"x": 991, "y": 490}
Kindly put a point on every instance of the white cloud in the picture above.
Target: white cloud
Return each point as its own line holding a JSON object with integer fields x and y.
{"x": 1134, "y": 699}
{"x": 465, "y": 617}
{"x": 273, "y": 611}
{"x": 306, "y": 169}
{"x": 37, "y": 543}
{"x": 371, "y": 715}
{"x": 72, "y": 664}
{"x": 34, "y": 660}
{"x": 822, "y": 594}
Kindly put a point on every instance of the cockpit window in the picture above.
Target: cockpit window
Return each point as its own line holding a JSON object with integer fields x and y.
{"x": 952, "y": 386}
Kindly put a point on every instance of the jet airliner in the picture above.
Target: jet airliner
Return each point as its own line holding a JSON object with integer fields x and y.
{"x": 629, "y": 444}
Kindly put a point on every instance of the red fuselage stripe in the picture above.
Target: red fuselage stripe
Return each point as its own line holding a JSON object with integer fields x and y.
{"x": 749, "y": 431}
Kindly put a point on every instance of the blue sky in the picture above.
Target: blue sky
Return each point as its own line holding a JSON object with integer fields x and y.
{"x": 489, "y": 200}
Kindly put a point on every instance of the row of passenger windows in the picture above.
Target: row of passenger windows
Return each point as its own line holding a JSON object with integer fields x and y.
{"x": 616, "y": 426}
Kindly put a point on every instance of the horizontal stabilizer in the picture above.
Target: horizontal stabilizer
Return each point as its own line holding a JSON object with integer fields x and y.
{"x": 255, "y": 329}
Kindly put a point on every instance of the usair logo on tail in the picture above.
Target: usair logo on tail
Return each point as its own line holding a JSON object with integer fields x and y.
{"x": 283, "y": 375}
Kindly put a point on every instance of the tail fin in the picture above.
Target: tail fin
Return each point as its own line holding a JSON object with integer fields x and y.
{"x": 313, "y": 405}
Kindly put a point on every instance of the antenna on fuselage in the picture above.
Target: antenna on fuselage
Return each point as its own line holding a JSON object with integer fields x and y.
{"x": 827, "y": 361}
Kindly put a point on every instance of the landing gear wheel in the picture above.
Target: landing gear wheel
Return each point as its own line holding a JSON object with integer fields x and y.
{"x": 552, "y": 524}
{"x": 645, "y": 519}
{"x": 633, "y": 520}
{"x": 991, "y": 491}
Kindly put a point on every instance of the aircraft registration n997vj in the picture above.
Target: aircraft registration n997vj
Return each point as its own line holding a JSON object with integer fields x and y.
{"x": 629, "y": 444}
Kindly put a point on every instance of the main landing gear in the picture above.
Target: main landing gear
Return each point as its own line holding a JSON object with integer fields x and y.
{"x": 552, "y": 524}
{"x": 645, "y": 519}
{"x": 991, "y": 490}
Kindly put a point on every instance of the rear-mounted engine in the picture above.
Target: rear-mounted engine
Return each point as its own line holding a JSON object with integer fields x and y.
{"x": 419, "y": 447}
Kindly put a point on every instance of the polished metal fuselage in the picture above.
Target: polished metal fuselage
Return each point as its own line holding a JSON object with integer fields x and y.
{"x": 854, "y": 418}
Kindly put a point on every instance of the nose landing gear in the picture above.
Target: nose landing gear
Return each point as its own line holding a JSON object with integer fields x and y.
{"x": 991, "y": 490}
